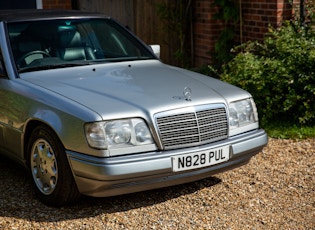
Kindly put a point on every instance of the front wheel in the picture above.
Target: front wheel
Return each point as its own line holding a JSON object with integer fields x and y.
{"x": 50, "y": 170}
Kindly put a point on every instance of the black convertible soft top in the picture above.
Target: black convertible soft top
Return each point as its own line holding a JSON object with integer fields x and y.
{"x": 22, "y": 15}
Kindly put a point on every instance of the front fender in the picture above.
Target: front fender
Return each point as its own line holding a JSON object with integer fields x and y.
{"x": 68, "y": 127}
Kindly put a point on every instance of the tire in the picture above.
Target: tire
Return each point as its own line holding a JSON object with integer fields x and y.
{"x": 50, "y": 170}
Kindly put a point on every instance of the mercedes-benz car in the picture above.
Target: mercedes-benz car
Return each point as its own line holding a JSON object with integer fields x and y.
{"x": 90, "y": 109}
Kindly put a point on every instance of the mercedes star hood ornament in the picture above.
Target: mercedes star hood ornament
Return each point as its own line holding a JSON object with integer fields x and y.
{"x": 187, "y": 93}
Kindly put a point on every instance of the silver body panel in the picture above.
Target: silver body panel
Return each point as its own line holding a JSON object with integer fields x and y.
{"x": 121, "y": 175}
{"x": 66, "y": 99}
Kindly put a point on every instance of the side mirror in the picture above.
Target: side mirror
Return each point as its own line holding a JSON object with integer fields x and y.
{"x": 156, "y": 49}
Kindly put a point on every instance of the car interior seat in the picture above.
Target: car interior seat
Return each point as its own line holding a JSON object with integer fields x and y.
{"x": 72, "y": 48}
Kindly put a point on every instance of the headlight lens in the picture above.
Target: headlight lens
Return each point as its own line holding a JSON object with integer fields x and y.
{"x": 118, "y": 134}
{"x": 242, "y": 113}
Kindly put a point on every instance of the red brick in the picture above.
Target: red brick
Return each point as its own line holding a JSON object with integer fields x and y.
{"x": 57, "y": 4}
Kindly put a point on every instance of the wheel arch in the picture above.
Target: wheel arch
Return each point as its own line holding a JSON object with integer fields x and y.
{"x": 29, "y": 128}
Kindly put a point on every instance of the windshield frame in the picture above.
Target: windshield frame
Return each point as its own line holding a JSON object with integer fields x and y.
{"x": 133, "y": 41}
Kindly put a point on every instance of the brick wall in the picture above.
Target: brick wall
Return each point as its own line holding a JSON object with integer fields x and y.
{"x": 57, "y": 4}
{"x": 206, "y": 30}
{"x": 257, "y": 15}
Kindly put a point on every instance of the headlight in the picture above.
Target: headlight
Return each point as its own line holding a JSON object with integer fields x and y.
{"x": 243, "y": 113}
{"x": 118, "y": 134}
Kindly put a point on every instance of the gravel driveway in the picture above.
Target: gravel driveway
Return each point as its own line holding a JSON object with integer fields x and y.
{"x": 276, "y": 190}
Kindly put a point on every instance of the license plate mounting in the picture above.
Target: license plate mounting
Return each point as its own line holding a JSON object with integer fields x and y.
{"x": 200, "y": 159}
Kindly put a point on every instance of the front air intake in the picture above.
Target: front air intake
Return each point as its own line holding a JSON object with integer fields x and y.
{"x": 192, "y": 126}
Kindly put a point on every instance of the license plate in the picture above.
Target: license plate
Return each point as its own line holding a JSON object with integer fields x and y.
{"x": 200, "y": 159}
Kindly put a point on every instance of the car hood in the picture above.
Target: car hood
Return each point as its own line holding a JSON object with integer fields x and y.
{"x": 130, "y": 88}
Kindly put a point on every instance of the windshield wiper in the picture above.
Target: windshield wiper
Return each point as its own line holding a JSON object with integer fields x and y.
{"x": 122, "y": 59}
{"x": 55, "y": 66}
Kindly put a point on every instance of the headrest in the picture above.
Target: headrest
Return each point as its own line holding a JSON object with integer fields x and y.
{"x": 69, "y": 38}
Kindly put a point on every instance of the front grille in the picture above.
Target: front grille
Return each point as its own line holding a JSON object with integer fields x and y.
{"x": 192, "y": 126}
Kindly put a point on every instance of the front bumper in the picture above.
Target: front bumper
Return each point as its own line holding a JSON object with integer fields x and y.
{"x": 101, "y": 177}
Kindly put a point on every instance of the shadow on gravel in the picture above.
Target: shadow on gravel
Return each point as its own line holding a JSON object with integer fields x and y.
{"x": 17, "y": 198}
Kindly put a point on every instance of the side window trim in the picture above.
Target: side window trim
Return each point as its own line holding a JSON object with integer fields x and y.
{"x": 7, "y": 67}
{"x": 3, "y": 72}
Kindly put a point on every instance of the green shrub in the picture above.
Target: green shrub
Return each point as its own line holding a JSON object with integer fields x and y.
{"x": 279, "y": 73}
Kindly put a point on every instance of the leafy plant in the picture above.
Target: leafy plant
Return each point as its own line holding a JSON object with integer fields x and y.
{"x": 228, "y": 13}
{"x": 279, "y": 73}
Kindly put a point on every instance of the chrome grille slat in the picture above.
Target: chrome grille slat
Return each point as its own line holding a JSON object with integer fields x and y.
{"x": 175, "y": 125}
{"x": 173, "y": 134}
{"x": 180, "y": 128}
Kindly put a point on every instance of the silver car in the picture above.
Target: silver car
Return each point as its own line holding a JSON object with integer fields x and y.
{"x": 88, "y": 108}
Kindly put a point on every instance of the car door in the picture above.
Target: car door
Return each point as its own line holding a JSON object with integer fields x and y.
{"x": 10, "y": 113}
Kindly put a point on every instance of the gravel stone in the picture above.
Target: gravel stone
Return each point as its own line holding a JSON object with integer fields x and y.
{"x": 276, "y": 190}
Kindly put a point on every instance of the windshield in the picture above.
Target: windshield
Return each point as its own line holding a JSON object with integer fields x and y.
{"x": 61, "y": 43}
